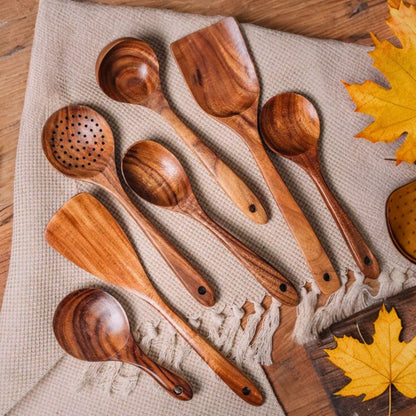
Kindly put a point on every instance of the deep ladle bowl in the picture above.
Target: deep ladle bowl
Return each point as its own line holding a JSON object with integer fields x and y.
{"x": 91, "y": 325}
{"x": 290, "y": 127}
{"x": 127, "y": 70}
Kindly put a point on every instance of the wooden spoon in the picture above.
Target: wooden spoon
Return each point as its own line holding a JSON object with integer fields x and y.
{"x": 85, "y": 232}
{"x": 91, "y": 325}
{"x": 219, "y": 72}
{"x": 290, "y": 127}
{"x": 127, "y": 70}
{"x": 157, "y": 176}
{"x": 79, "y": 143}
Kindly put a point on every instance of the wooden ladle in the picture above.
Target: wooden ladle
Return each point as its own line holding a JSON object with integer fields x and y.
{"x": 91, "y": 325}
{"x": 219, "y": 72}
{"x": 85, "y": 232}
{"x": 290, "y": 126}
{"x": 79, "y": 143}
{"x": 127, "y": 70}
{"x": 156, "y": 175}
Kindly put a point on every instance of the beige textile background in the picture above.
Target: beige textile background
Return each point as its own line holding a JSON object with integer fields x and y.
{"x": 68, "y": 38}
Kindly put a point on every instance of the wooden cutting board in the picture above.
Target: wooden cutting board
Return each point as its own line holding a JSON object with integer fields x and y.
{"x": 304, "y": 380}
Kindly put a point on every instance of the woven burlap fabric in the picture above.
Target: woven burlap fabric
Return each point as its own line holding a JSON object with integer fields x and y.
{"x": 36, "y": 377}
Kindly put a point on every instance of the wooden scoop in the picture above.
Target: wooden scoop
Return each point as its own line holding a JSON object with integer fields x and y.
{"x": 290, "y": 127}
{"x": 91, "y": 325}
{"x": 157, "y": 176}
{"x": 219, "y": 72}
{"x": 85, "y": 232}
{"x": 79, "y": 143}
{"x": 127, "y": 70}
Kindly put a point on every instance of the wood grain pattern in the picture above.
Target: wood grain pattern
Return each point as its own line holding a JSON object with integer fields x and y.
{"x": 333, "y": 378}
{"x": 127, "y": 70}
{"x": 84, "y": 232}
{"x": 291, "y": 128}
{"x": 79, "y": 143}
{"x": 219, "y": 72}
{"x": 91, "y": 325}
{"x": 156, "y": 175}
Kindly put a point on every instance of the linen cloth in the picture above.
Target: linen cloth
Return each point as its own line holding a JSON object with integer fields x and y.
{"x": 36, "y": 376}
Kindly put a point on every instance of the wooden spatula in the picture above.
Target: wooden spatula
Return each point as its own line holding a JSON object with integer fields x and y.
{"x": 85, "y": 232}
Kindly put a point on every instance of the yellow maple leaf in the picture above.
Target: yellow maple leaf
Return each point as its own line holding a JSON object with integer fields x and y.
{"x": 394, "y": 108}
{"x": 375, "y": 367}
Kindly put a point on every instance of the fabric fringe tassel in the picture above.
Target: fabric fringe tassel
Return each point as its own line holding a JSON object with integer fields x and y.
{"x": 230, "y": 329}
{"x": 263, "y": 343}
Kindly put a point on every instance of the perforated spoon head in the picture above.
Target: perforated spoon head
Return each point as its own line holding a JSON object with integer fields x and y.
{"x": 78, "y": 142}
{"x": 289, "y": 124}
{"x": 91, "y": 325}
{"x": 155, "y": 174}
{"x": 127, "y": 70}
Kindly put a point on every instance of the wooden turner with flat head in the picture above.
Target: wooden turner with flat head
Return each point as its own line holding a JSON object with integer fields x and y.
{"x": 85, "y": 232}
{"x": 219, "y": 72}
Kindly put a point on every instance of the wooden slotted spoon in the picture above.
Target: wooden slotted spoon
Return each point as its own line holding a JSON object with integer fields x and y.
{"x": 79, "y": 143}
{"x": 85, "y": 232}
{"x": 219, "y": 72}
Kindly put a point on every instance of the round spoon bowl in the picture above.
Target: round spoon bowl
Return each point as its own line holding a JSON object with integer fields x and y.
{"x": 78, "y": 142}
{"x": 127, "y": 70}
{"x": 91, "y": 325}
{"x": 155, "y": 174}
{"x": 290, "y": 125}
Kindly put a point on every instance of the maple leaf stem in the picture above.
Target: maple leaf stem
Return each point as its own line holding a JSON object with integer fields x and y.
{"x": 360, "y": 334}
{"x": 389, "y": 399}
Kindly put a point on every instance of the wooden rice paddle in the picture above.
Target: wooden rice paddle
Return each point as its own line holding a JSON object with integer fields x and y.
{"x": 85, "y": 232}
{"x": 219, "y": 72}
{"x": 91, "y": 325}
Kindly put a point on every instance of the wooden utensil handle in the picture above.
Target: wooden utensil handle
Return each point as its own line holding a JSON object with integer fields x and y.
{"x": 275, "y": 283}
{"x": 359, "y": 249}
{"x": 228, "y": 373}
{"x": 238, "y": 191}
{"x": 193, "y": 281}
{"x": 176, "y": 386}
{"x": 313, "y": 252}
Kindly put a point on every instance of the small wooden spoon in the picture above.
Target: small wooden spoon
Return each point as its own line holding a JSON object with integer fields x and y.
{"x": 85, "y": 233}
{"x": 290, "y": 127}
{"x": 91, "y": 325}
{"x": 79, "y": 143}
{"x": 127, "y": 70}
{"x": 157, "y": 176}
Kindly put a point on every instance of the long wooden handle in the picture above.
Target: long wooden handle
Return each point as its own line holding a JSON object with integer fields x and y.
{"x": 193, "y": 281}
{"x": 313, "y": 252}
{"x": 274, "y": 282}
{"x": 359, "y": 249}
{"x": 176, "y": 386}
{"x": 238, "y": 191}
{"x": 227, "y": 372}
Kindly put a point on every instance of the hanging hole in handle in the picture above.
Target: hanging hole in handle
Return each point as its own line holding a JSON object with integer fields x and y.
{"x": 246, "y": 391}
{"x": 367, "y": 261}
{"x": 202, "y": 290}
{"x": 252, "y": 208}
{"x": 178, "y": 390}
{"x": 327, "y": 277}
{"x": 283, "y": 287}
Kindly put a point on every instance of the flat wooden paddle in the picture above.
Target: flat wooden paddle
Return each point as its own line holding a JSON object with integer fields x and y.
{"x": 219, "y": 72}
{"x": 85, "y": 232}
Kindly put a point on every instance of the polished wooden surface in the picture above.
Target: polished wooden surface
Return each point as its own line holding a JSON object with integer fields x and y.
{"x": 218, "y": 70}
{"x": 347, "y": 20}
{"x": 291, "y": 128}
{"x": 156, "y": 175}
{"x": 401, "y": 219}
{"x": 91, "y": 325}
{"x": 127, "y": 70}
{"x": 79, "y": 143}
{"x": 85, "y": 233}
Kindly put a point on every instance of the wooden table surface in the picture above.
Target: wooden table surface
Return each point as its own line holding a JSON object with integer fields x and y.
{"x": 347, "y": 20}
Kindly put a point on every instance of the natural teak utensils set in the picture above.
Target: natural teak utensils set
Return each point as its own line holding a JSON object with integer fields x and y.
{"x": 78, "y": 142}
